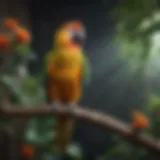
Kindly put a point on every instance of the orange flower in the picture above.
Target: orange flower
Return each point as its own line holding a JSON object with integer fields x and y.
{"x": 11, "y": 24}
{"x": 139, "y": 120}
{"x": 4, "y": 41}
{"x": 28, "y": 150}
{"x": 22, "y": 35}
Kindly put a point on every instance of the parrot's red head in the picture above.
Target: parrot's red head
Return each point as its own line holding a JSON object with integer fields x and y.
{"x": 72, "y": 33}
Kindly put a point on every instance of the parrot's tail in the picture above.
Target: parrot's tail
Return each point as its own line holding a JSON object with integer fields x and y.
{"x": 65, "y": 127}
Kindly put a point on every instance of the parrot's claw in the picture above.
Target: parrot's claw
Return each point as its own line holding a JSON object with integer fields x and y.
{"x": 72, "y": 106}
{"x": 56, "y": 104}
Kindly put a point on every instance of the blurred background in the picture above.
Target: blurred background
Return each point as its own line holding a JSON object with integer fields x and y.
{"x": 123, "y": 47}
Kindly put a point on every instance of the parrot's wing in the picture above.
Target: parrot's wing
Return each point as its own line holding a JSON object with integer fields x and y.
{"x": 86, "y": 71}
{"x": 45, "y": 79}
{"x": 49, "y": 56}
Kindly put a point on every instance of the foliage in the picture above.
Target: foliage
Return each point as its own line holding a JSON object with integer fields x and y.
{"x": 138, "y": 22}
{"x": 124, "y": 150}
{"x": 154, "y": 114}
{"x": 138, "y": 30}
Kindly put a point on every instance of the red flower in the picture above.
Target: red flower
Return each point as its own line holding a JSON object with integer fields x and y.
{"x": 22, "y": 35}
{"x": 28, "y": 151}
{"x": 11, "y": 24}
{"x": 4, "y": 41}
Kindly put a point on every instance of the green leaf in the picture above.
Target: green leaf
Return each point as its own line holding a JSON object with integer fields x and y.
{"x": 154, "y": 103}
{"x": 27, "y": 91}
{"x": 154, "y": 114}
{"x": 75, "y": 151}
{"x": 40, "y": 131}
{"x": 23, "y": 50}
{"x": 12, "y": 83}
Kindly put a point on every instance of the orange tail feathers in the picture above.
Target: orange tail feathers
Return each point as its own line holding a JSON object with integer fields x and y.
{"x": 65, "y": 127}
{"x": 139, "y": 121}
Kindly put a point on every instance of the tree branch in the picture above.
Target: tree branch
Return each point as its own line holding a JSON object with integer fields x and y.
{"x": 91, "y": 116}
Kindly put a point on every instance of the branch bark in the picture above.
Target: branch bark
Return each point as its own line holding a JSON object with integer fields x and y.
{"x": 91, "y": 116}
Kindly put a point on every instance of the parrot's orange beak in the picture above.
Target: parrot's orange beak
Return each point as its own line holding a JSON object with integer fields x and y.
{"x": 72, "y": 33}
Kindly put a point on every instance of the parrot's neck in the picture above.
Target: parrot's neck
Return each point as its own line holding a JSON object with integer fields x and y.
{"x": 75, "y": 46}
{"x": 76, "y": 49}
{"x": 72, "y": 46}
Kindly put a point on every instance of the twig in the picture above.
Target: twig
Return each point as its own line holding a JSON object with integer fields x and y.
{"x": 91, "y": 116}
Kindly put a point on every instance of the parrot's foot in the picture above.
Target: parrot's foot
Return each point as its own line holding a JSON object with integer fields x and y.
{"x": 56, "y": 104}
{"x": 72, "y": 106}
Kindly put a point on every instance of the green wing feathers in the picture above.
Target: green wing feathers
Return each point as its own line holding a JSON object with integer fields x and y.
{"x": 87, "y": 71}
{"x": 49, "y": 56}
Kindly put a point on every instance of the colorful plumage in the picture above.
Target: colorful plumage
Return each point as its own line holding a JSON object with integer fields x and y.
{"x": 67, "y": 69}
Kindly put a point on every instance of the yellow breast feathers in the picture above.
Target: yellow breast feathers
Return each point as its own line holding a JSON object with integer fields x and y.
{"x": 67, "y": 65}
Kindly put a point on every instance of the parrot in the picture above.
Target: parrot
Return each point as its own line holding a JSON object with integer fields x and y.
{"x": 68, "y": 69}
